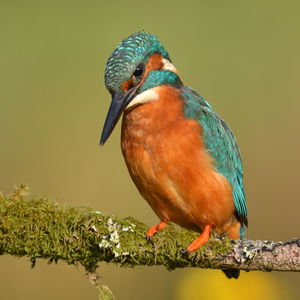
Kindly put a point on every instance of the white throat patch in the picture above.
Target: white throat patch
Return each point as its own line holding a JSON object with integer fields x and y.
{"x": 145, "y": 97}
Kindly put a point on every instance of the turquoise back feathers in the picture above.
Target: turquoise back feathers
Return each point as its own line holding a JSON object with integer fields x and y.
{"x": 221, "y": 145}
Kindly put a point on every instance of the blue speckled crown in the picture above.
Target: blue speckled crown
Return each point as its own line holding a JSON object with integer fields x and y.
{"x": 129, "y": 53}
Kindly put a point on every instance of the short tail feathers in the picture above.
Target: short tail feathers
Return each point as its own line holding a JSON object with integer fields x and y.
{"x": 232, "y": 273}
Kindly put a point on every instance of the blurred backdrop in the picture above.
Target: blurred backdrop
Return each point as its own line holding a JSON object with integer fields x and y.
{"x": 242, "y": 56}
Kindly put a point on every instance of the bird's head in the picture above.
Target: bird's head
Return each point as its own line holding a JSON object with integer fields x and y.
{"x": 138, "y": 64}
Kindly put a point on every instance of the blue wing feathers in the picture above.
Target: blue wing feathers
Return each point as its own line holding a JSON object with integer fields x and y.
{"x": 222, "y": 146}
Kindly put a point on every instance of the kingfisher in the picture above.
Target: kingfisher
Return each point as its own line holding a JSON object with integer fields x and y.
{"x": 182, "y": 157}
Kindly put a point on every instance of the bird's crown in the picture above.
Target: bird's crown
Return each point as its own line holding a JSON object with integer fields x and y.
{"x": 131, "y": 52}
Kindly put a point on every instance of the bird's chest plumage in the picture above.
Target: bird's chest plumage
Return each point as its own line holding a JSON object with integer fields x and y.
{"x": 167, "y": 161}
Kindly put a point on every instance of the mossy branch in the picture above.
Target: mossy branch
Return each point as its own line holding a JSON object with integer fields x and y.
{"x": 40, "y": 228}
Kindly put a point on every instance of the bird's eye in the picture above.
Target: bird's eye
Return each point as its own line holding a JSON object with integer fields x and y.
{"x": 139, "y": 70}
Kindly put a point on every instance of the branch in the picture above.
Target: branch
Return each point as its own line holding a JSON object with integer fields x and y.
{"x": 40, "y": 228}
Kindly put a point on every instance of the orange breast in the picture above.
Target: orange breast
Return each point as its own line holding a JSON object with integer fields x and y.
{"x": 167, "y": 161}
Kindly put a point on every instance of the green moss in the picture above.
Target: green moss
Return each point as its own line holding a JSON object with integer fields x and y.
{"x": 40, "y": 228}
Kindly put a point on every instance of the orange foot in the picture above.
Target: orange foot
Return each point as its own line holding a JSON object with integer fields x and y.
{"x": 201, "y": 240}
{"x": 154, "y": 229}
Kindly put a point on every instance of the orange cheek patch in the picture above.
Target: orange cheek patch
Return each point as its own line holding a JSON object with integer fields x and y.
{"x": 126, "y": 85}
{"x": 155, "y": 62}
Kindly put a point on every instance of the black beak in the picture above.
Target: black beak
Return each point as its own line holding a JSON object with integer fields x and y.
{"x": 117, "y": 106}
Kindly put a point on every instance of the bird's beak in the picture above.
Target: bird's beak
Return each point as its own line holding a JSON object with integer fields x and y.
{"x": 117, "y": 106}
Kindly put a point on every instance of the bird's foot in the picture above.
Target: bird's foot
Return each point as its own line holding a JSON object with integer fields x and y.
{"x": 154, "y": 229}
{"x": 201, "y": 240}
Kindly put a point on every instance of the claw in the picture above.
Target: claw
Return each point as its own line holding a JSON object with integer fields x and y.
{"x": 150, "y": 238}
{"x": 184, "y": 251}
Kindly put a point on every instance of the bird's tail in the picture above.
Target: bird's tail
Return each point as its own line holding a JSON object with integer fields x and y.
{"x": 232, "y": 273}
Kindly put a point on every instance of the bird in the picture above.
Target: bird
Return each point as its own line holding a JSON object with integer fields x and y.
{"x": 181, "y": 155}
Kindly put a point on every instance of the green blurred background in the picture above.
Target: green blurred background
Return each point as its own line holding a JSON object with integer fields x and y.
{"x": 242, "y": 56}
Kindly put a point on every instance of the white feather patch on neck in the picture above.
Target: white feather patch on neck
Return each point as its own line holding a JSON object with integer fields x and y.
{"x": 145, "y": 97}
{"x": 168, "y": 66}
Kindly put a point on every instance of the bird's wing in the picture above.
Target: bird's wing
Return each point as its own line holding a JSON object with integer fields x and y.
{"x": 221, "y": 145}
